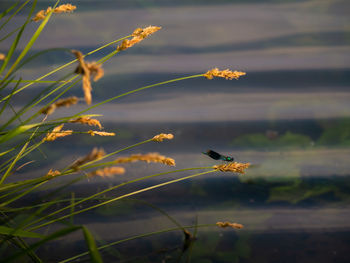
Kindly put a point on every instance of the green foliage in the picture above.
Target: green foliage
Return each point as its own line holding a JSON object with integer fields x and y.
{"x": 18, "y": 233}
{"x": 298, "y": 191}
{"x": 285, "y": 141}
{"x": 336, "y": 134}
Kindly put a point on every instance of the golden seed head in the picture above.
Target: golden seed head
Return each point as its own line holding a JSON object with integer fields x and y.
{"x": 232, "y": 167}
{"x": 88, "y": 121}
{"x": 87, "y": 69}
{"x": 145, "y": 32}
{"x": 52, "y": 173}
{"x": 57, "y": 133}
{"x": 84, "y": 70}
{"x": 95, "y": 154}
{"x": 162, "y": 136}
{"x": 67, "y": 102}
{"x": 96, "y": 70}
{"x": 2, "y": 56}
{"x": 227, "y": 74}
{"x": 93, "y": 133}
{"x": 149, "y": 158}
{"x": 138, "y": 35}
{"x": 108, "y": 171}
{"x": 229, "y": 224}
{"x": 66, "y": 8}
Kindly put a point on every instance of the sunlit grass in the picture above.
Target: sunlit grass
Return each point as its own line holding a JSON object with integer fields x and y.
{"x": 20, "y": 136}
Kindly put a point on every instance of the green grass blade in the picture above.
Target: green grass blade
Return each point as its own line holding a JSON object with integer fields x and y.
{"x": 43, "y": 52}
{"x": 10, "y": 34}
{"x": 122, "y": 196}
{"x": 9, "y": 169}
{"x": 11, "y": 50}
{"x": 18, "y": 196}
{"x": 137, "y": 237}
{"x": 5, "y": 84}
{"x": 19, "y": 155}
{"x": 6, "y": 152}
{"x": 90, "y": 241}
{"x": 37, "y": 99}
{"x": 8, "y": 100}
{"x": 17, "y": 131}
{"x": 15, "y": 42}
{"x": 69, "y": 63}
{"x": 137, "y": 90}
{"x": 53, "y": 236}
{"x": 20, "y": 233}
{"x": 21, "y": 244}
{"x": 8, "y": 10}
{"x": 31, "y": 41}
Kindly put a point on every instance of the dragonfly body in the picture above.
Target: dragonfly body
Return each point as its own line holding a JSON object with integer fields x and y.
{"x": 218, "y": 156}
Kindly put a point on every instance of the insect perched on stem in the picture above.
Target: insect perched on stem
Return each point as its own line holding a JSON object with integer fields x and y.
{"x": 218, "y": 156}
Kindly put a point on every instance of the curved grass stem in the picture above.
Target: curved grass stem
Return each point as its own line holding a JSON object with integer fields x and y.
{"x": 120, "y": 197}
{"x": 66, "y": 65}
{"x": 139, "y": 236}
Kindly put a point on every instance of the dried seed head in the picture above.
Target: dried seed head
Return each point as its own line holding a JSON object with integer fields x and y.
{"x": 232, "y": 167}
{"x": 57, "y": 133}
{"x": 162, "y": 136}
{"x": 67, "y": 102}
{"x": 227, "y": 74}
{"x": 95, "y": 154}
{"x": 138, "y": 35}
{"x": 149, "y": 158}
{"x": 87, "y": 69}
{"x": 108, "y": 171}
{"x": 84, "y": 70}
{"x": 93, "y": 133}
{"x": 2, "y": 56}
{"x": 52, "y": 173}
{"x": 229, "y": 224}
{"x": 66, "y": 8}
{"x": 96, "y": 70}
{"x": 88, "y": 121}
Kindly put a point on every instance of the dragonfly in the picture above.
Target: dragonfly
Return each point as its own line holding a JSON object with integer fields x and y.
{"x": 218, "y": 156}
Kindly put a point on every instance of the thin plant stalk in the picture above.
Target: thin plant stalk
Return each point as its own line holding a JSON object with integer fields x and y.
{"x": 139, "y": 236}
{"x": 122, "y": 196}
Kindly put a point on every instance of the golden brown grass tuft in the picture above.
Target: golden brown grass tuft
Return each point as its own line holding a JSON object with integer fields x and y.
{"x": 101, "y": 133}
{"x": 87, "y": 69}
{"x": 95, "y": 154}
{"x": 227, "y": 74}
{"x": 162, "y": 136}
{"x": 67, "y": 102}
{"x": 107, "y": 171}
{"x": 138, "y": 35}
{"x": 57, "y": 133}
{"x": 52, "y": 173}
{"x": 232, "y": 167}
{"x": 66, "y": 8}
{"x": 229, "y": 224}
{"x": 96, "y": 70}
{"x": 88, "y": 121}
{"x": 149, "y": 158}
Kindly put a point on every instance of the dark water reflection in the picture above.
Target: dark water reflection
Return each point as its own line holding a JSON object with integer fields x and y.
{"x": 294, "y": 201}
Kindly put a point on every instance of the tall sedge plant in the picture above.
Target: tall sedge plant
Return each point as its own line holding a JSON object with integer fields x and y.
{"x": 22, "y": 133}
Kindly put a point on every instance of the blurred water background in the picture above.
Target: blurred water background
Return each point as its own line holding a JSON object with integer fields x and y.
{"x": 289, "y": 117}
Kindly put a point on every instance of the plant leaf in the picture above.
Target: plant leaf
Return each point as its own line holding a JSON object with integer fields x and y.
{"x": 18, "y": 233}
{"x": 90, "y": 241}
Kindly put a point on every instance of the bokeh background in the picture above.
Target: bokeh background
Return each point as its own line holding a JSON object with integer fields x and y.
{"x": 289, "y": 117}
